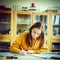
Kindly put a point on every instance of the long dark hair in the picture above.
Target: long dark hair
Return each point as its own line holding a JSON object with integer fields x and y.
{"x": 41, "y": 37}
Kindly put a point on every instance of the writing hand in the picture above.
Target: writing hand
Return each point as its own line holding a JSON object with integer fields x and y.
{"x": 22, "y": 52}
{"x": 30, "y": 52}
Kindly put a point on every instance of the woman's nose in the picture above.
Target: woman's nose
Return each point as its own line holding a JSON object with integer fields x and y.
{"x": 35, "y": 35}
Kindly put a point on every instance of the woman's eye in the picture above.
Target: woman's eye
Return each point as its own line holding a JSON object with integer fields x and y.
{"x": 34, "y": 32}
{"x": 38, "y": 34}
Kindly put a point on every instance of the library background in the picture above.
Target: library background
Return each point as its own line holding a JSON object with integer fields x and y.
{"x": 16, "y": 19}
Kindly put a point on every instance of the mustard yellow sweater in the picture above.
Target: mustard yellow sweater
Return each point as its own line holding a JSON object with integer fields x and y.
{"x": 20, "y": 42}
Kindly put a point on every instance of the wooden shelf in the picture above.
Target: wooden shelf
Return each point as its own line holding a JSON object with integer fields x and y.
{"x": 55, "y": 37}
{"x": 24, "y": 12}
{"x": 56, "y": 49}
{"x": 41, "y": 13}
{"x": 56, "y": 25}
{"x": 4, "y": 50}
{"x": 5, "y": 11}
{"x": 5, "y": 22}
{"x": 5, "y": 38}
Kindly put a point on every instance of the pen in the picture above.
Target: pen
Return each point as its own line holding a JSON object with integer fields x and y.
{"x": 22, "y": 48}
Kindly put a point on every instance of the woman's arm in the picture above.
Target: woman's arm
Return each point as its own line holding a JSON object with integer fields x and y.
{"x": 37, "y": 51}
{"x": 44, "y": 48}
{"x": 15, "y": 47}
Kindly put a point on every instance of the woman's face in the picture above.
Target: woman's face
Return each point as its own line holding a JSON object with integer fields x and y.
{"x": 35, "y": 33}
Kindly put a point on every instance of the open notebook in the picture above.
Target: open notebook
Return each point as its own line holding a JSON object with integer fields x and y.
{"x": 48, "y": 55}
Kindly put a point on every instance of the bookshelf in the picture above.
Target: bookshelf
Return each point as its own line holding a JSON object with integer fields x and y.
{"x": 55, "y": 33}
{"x": 6, "y": 18}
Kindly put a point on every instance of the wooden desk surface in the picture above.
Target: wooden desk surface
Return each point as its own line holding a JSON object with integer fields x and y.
{"x": 22, "y": 58}
{"x": 25, "y": 58}
{"x": 11, "y": 56}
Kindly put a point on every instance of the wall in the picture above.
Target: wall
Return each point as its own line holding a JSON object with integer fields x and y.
{"x": 40, "y": 4}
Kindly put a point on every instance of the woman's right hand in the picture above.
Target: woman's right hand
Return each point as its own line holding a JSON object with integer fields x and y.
{"x": 22, "y": 52}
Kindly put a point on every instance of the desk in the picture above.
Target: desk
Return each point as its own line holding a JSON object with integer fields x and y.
{"x": 23, "y": 58}
{"x": 12, "y": 56}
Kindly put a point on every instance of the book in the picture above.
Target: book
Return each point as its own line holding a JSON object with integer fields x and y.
{"x": 56, "y": 19}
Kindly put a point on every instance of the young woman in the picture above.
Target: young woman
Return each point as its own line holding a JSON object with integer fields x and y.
{"x": 30, "y": 42}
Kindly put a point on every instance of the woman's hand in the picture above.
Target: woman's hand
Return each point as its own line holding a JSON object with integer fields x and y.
{"x": 30, "y": 52}
{"x": 22, "y": 52}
